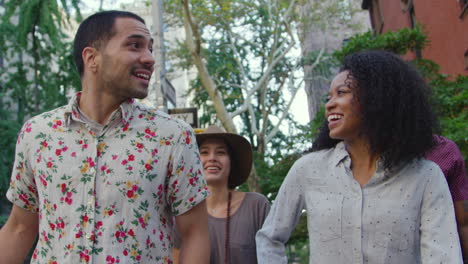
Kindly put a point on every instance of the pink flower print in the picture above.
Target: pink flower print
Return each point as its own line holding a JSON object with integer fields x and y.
{"x": 73, "y": 154}
{"x": 18, "y": 176}
{"x": 50, "y": 164}
{"x": 64, "y": 149}
{"x": 161, "y": 235}
{"x": 43, "y": 180}
{"x": 103, "y": 167}
{"x": 24, "y": 197}
{"x": 138, "y": 258}
{"x": 139, "y": 145}
{"x": 129, "y": 168}
{"x": 59, "y": 122}
{"x": 58, "y": 152}
{"x": 28, "y": 128}
{"x": 69, "y": 200}
{"x": 114, "y": 157}
{"x": 125, "y": 252}
{"x": 130, "y": 194}
{"x": 44, "y": 144}
{"x": 142, "y": 222}
{"x": 99, "y": 224}
{"x": 135, "y": 188}
{"x": 84, "y": 256}
{"x": 79, "y": 234}
{"x": 110, "y": 259}
{"x": 85, "y": 146}
{"x": 52, "y": 226}
{"x": 85, "y": 218}
{"x": 131, "y": 157}
{"x": 63, "y": 187}
{"x": 125, "y": 128}
{"x": 91, "y": 162}
{"x": 131, "y": 233}
{"x": 44, "y": 236}
{"x": 148, "y": 166}
{"x": 61, "y": 225}
{"x": 154, "y": 152}
{"x": 124, "y": 162}
{"x": 111, "y": 212}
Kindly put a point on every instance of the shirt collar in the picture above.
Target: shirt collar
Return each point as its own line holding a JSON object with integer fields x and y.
{"x": 72, "y": 113}
{"x": 340, "y": 154}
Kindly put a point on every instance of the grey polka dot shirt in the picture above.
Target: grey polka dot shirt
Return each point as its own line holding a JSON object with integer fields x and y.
{"x": 401, "y": 216}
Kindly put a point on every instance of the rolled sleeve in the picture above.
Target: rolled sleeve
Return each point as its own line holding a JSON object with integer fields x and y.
{"x": 23, "y": 191}
{"x": 185, "y": 183}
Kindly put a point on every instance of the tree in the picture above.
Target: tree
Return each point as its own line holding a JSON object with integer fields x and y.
{"x": 37, "y": 70}
{"x": 244, "y": 55}
{"x": 323, "y": 27}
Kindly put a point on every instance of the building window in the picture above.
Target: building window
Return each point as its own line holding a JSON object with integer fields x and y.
{"x": 406, "y": 5}
{"x": 378, "y": 20}
{"x": 466, "y": 60}
{"x": 464, "y": 8}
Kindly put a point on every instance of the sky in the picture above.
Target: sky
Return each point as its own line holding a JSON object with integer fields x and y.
{"x": 299, "y": 106}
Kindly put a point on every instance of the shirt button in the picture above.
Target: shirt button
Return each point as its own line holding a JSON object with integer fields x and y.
{"x": 92, "y": 170}
{"x": 90, "y": 202}
{"x": 88, "y": 236}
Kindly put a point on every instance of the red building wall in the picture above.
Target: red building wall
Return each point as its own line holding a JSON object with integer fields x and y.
{"x": 446, "y": 31}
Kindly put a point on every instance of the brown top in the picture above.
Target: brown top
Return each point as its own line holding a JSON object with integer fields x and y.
{"x": 244, "y": 224}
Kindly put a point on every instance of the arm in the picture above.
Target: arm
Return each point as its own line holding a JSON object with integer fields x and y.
{"x": 18, "y": 235}
{"x": 193, "y": 227}
{"x": 281, "y": 220}
{"x": 439, "y": 236}
{"x": 462, "y": 224}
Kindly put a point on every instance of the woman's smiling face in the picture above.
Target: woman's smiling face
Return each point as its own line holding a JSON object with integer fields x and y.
{"x": 342, "y": 109}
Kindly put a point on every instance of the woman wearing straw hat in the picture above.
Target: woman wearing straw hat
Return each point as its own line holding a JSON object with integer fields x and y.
{"x": 234, "y": 217}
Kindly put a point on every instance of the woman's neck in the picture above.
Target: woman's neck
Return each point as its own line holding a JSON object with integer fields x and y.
{"x": 363, "y": 161}
{"x": 218, "y": 197}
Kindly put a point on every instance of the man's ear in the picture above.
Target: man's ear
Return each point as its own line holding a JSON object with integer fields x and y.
{"x": 91, "y": 58}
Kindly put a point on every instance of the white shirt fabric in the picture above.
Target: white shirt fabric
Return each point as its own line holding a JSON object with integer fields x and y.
{"x": 401, "y": 216}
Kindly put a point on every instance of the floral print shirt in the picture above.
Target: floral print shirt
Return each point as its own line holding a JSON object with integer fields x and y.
{"x": 106, "y": 197}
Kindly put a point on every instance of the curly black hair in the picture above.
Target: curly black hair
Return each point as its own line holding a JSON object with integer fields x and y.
{"x": 397, "y": 117}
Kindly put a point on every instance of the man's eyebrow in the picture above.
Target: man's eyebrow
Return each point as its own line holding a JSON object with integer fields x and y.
{"x": 139, "y": 36}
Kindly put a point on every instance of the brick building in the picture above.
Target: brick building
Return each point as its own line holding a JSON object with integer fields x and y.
{"x": 445, "y": 23}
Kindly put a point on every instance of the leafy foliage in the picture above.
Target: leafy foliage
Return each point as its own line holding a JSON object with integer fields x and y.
{"x": 240, "y": 40}
{"x": 37, "y": 71}
{"x": 399, "y": 42}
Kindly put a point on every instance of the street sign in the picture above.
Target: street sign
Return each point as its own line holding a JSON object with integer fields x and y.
{"x": 189, "y": 115}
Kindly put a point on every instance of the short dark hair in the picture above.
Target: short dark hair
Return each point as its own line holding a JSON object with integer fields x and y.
{"x": 397, "y": 117}
{"x": 95, "y": 31}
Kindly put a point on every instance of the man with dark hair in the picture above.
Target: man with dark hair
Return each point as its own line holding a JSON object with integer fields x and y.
{"x": 102, "y": 178}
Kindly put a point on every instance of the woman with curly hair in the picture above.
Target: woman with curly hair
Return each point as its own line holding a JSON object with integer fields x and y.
{"x": 369, "y": 194}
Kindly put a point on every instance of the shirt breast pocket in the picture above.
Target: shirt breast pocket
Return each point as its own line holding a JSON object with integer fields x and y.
{"x": 325, "y": 213}
{"x": 396, "y": 226}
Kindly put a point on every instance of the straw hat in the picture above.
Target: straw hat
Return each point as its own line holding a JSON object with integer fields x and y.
{"x": 240, "y": 150}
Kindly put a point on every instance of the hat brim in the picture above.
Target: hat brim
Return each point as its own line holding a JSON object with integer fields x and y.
{"x": 241, "y": 162}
